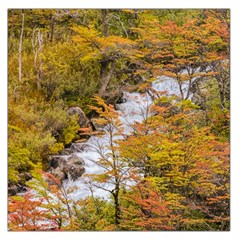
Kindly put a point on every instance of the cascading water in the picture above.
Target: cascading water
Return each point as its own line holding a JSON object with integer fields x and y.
{"x": 134, "y": 109}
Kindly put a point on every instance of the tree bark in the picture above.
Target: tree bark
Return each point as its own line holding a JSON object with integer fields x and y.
{"x": 221, "y": 93}
{"x": 35, "y": 50}
{"x": 223, "y": 80}
{"x": 116, "y": 205}
{"x": 20, "y": 51}
{"x": 180, "y": 87}
{"x": 51, "y": 28}
{"x": 40, "y": 41}
{"x": 106, "y": 75}
{"x": 105, "y": 31}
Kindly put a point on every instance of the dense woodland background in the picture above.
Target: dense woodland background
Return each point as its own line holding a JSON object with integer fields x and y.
{"x": 63, "y": 58}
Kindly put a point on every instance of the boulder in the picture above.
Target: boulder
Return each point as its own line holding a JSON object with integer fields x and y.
{"x": 74, "y": 171}
{"x": 21, "y": 188}
{"x": 67, "y": 151}
{"x": 114, "y": 97}
{"x": 82, "y": 119}
{"x": 12, "y": 190}
{"x": 79, "y": 146}
{"x": 59, "y": 174}
{"x": 57, "y": 161}
{"x": 62, "y": 168}
{"x": 16, "y": 188}
{"x": 26, "y": 176}
{"x": 74, "y": 159}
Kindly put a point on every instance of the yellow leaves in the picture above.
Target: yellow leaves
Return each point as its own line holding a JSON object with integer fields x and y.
{"x": 188, "y": 104}
{"x": 101, "y": 178}
{"x": 106, "y": 112}
{"x": 115, "y": 41}
{"x": 90, "y": 55}
{"x": 14, "y": 128}
{"x": 55, "y": 148}
{"x": 94, "y": 46}
{"x": 174, "y": 200}
{"x": 131, "y": 11}
{"x": 191, "y": 221}
{"x": 85, "y": 34}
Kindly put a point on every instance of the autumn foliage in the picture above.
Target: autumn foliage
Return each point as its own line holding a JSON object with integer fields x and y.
{"x": 27, "y": 214}
{"x": 170, "y": 172}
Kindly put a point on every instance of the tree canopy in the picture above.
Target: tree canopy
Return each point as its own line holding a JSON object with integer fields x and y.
{"x": 177, "y": 158}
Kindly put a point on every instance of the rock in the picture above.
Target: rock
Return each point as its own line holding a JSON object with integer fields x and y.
{"x": 67, "y": 151}
{"x": 16, "y": 188}
{"x": 21, "y": 188}
{"x": 12, "y": 190}
{"x": 74, "y": 159}
{"x": 74, "y": 171}
{"x": 121, "y": 99}
{"x": 79, "y": 146}
{"x": 57, "y": 161}
{"x": 113, "y": 97}
{"x": 62, "y": 168}
{"x": 59, "y": 174}
{"x": 26, "y": 176}
{"x": 82, "y": 119}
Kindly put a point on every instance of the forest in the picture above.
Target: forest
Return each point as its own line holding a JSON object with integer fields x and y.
{"x": 118, "y": 120}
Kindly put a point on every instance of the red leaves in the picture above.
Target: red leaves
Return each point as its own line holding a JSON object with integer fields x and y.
{"x": 148, "y": 209}
{"x": 26, "y": 214}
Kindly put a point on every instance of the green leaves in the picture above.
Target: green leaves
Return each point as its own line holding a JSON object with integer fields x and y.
{"x": 18, "y": 161}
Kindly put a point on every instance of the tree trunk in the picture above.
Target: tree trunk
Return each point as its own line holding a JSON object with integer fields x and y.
{"x": 40, "y": 41}
{"x": 105, "y": 22}
{"x": 133, "y": 23}
{"x": 15, "y": 94}
{"x": 221, "y": 93}
{"x": 180, "y": 87}
{"x": 223, "y": 80}
{"x": 35, "y": 50}
{"x": 20, "y": 51}
{"x": 116, "y": 205}
{"x": 51, "y": 28}
{"x": 106, "y": 75}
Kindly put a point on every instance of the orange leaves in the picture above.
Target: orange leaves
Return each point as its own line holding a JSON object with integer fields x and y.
{"x": 186, "y": 163}
{"x": 169, "y": 48}
{"x": 147, "y": 209}
{"x": 115, "y": 41}
{"x": 26, "y": 214}
{"x": 107, "y": 113}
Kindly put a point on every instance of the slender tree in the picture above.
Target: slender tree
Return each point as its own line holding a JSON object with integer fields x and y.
{"x": 20, "y": 50}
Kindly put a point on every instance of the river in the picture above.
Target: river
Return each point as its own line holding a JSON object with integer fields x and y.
{"x": 135, "y": 108}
